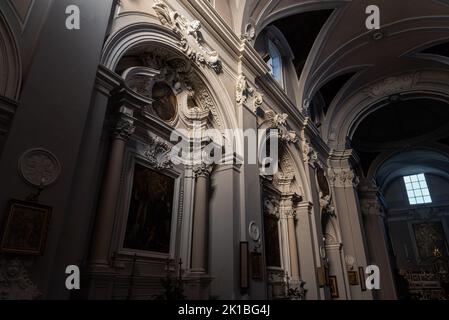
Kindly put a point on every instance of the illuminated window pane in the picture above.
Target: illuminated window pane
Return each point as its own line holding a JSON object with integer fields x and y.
{"x": 417, "y": 189}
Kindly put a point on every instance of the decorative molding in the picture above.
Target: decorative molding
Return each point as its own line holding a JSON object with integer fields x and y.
{"x": 250, "y": 33}
{"x": 178, "y": 73}
{"x": 15, "y": 283}
{"x": 191, "y": 39}
{"x": 392, "y": 85}
{"x": 39, "y": 167}
{"x": 157, "y": 153}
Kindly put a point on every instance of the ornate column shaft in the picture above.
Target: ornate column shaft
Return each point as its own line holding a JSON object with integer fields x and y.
{"x": 201, "y": 219}
{"x": 105, "y": 216}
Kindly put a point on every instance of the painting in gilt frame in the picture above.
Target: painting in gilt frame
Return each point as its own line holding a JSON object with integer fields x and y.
{"x": 25, "y": 229}
{"x": 150, "y": 212}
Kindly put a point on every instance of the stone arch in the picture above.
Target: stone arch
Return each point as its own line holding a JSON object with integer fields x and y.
{"x": 343, "y": 118}
{"x": 154, "y": 35}
{"x": 10, "y": 63}
{"x": 436, "y": 149}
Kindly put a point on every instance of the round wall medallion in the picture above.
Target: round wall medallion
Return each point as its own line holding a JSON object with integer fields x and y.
{"x": 39, "y": 167}
{"x": 254, "y": 231}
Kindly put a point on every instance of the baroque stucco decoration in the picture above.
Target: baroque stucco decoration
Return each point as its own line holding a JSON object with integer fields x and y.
{"x": 279, "y": 122}
{"x": 15, "y": 283}
{"x": 179, "y": 74}
{"x": 157, "y": 153}
{"x": 244, "y": 92}
{"x": 191, "y": 39}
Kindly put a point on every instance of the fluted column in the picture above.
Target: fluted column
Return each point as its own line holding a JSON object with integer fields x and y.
{"x": 108, "y": 201}
{"x": 201, "y": 219}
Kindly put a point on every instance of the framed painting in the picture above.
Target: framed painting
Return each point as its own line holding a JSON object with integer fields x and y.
{"x": 333, "y": 285}
{"x": 25, "y": 229}
{"x": 353, "y": 278}
{"x": 149, "y": 225}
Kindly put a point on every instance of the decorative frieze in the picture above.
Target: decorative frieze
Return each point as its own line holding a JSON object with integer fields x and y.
{"x": 191, "y": 39}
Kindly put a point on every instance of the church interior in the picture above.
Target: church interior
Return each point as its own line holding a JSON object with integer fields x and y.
{"x": 92, "y": 92}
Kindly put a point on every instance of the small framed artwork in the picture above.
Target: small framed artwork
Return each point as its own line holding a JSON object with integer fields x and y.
{"x": 333, "y": 285}
{"x": 25, "y": 229}
{"x": 353, "y": 278}
{"x": 256, "y": 266}
{"x": 362, "y": 278}
{"x": 323, "y": 278}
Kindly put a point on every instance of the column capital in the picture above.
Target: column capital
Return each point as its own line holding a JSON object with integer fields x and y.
{"x": 343, "y": 177}
{"x": 124, "y": 129}
{"x": 202, "y": 170}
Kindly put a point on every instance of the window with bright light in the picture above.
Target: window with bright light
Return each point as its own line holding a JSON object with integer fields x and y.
{"x": 274, "y": 61}
{"x": 417, "y": 189}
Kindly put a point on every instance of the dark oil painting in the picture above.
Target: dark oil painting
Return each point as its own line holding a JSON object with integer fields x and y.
{"x": 150, "y": 213}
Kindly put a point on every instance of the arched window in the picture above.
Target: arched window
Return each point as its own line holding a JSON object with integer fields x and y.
{"x": 274, "y": 61}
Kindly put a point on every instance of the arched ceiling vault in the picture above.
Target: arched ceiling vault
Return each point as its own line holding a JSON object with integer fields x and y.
{"x": 345, "y": 43}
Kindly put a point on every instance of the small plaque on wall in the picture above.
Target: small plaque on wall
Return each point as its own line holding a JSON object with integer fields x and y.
{"x": 25, "y": 229}
{"x": 353, "y": 278}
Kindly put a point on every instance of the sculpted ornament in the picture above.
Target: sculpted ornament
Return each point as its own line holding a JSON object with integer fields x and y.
{"x": 158, "y": 153}
{"x": 203, "y": 170}
{"x": 279, "y": 122}
{"x": 124, "y": 129}
{"x": 15, "y": 283}
{"x": 191, "y": 39}
{"x": 244, "y": 92}
{"x": 343, "y": 177}
{"x": 39, "y": 167}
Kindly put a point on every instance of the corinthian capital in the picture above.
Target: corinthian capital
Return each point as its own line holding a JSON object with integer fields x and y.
{"x": 124, "y": 129}
{"x": 343, "y": 178}
{"x": 203, "y": 170}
